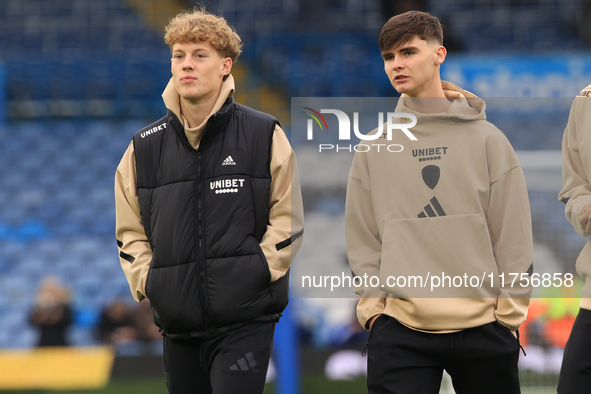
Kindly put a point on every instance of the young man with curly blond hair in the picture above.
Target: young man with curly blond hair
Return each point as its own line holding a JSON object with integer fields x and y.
{"x": 209, "y": 216}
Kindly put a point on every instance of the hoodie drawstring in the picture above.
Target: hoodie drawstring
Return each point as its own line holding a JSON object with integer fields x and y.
{"x": 519, "y": 342}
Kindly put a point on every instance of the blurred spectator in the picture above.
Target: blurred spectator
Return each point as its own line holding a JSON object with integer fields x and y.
{"x": 51, "y": 313}
{"x": 148, "y": 332}
{"x": 116, "y": 325}
{"x": 117, "y": 328}
{"x": 131, "y": 332}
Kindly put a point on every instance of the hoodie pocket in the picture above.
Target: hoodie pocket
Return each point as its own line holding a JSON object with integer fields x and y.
{"x": 448, "y": 256}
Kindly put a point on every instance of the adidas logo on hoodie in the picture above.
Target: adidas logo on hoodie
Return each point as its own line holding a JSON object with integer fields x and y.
{"x": 431, "y": 176}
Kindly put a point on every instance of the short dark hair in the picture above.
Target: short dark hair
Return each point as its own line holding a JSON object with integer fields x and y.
{"x": 403, "y": 28}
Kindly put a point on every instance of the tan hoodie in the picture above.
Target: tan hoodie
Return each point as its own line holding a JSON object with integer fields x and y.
{"x": 286, "y": 216}
{"x": 576, "y": 172}
{"x": 452, "y": 202}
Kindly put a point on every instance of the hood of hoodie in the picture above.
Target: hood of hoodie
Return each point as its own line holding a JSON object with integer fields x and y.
{"x": 459, "y": 104}
{"x": 172, "y": 101}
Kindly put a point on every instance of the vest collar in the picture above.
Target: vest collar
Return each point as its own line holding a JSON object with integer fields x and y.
{"x": 215, "y": 124}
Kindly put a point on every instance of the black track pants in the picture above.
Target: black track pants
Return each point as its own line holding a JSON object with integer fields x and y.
{"x": 575, "y": 373}
{"x": 479, "y": 360}
{"x": 235, "y": 362}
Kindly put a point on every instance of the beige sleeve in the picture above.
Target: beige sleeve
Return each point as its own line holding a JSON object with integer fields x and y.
{"x": 364, "y": 244}
{"x": 283, "y": 236}
{"x": 509, "y": 221}
{"x": 135, "y": 253}
{"x": 576, "y": 190}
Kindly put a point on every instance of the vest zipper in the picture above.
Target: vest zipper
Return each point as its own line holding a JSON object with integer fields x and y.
{"x": 201, "y": 245}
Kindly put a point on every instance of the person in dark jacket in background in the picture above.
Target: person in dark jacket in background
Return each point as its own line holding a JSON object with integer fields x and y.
{"x": 51, "y": 313}
{"x": 117, "y": 328}
{"x": 209, "y": 217}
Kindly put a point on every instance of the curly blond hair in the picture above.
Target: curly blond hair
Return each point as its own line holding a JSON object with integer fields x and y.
{"x": 198, "y": 25}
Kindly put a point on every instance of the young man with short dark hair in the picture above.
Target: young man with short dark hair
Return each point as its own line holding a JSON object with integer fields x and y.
{"x": 452, "y": 203}
{"x": 209, "y": 217}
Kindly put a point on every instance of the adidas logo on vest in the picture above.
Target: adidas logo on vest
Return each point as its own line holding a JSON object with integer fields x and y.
{"x": 229, "y": 161}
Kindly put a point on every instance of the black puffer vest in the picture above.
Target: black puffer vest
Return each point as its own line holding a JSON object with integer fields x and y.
{"x": 204, "y": 212}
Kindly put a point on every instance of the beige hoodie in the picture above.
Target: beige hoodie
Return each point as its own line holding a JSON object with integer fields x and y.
{"x": 286, "y": 216}
{"x": 576, "y": 172}
{"x": 453, "y": 202}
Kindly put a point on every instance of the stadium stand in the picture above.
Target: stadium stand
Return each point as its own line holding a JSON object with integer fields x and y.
{"x": 58, "y": 219}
